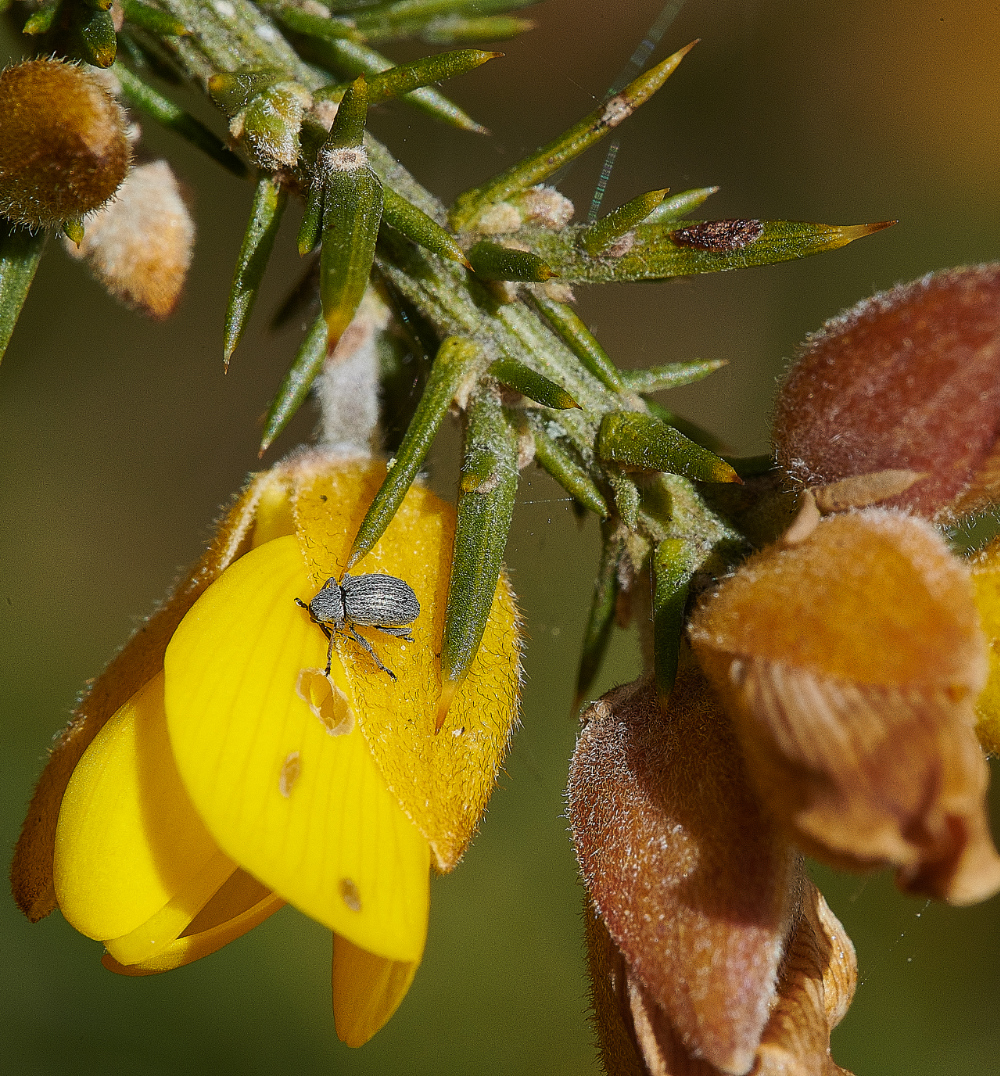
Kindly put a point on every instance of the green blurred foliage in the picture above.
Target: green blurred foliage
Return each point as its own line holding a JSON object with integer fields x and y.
{"x": 121, "y": 438}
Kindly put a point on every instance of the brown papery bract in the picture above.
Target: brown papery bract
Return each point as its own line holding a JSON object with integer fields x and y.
{"x": 909, "y": 380}
{"x": 693, "y": 881}
{"x": 850, "y": 663}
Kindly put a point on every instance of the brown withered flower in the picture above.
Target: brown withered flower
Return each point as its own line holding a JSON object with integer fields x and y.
{"x": 844, "y": 685}
{"x": 710, "y": 951}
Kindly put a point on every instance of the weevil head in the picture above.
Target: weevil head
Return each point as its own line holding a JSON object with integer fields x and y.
{"x": 328, "y": 605}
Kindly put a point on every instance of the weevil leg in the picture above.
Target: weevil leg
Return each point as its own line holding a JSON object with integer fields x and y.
{"x": 368, "y": 646}
{"x": 399, "y": 633}
{"x": 329, "y": 650}
{"x": 329, "y": 653}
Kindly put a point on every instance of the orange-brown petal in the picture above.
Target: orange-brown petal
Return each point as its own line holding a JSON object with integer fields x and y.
{"x": 850, "y": 663}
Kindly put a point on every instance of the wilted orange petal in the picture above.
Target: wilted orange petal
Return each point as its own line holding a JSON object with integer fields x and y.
{"x": 692, "y": 879}
{"x": 873, "y": 597}
{"x": 442, "y": 780}
{"x": 850, "y": 662}
{"x": 367, "y": 990}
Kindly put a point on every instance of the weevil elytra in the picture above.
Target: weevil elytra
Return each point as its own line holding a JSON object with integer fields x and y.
{"x": 369, "y": 601}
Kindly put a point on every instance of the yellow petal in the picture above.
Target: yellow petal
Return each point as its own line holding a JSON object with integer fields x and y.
{"x": 285, "y": 791}
{"x": 262, "y": 506}
{"x": 367, "y": 990}
{"x": 162, "y": 929}
{"x": 442, "y": 780}
{"x": 240, "y": 905}
{"x": 129, "y": 840}
{"x": 986, "y": 579}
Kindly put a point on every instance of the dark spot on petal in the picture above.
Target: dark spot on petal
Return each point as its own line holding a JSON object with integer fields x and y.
{"x": 290, "y": 770}
{"x": 349, "y": 894}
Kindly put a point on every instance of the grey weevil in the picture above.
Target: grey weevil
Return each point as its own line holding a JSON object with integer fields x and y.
{"x": 370, "y": 601}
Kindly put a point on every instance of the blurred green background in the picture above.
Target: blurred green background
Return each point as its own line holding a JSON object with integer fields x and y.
{"x": 122, "y": 438}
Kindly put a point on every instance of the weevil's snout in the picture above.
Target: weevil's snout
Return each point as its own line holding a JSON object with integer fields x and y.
{"x": 327, "y": 607}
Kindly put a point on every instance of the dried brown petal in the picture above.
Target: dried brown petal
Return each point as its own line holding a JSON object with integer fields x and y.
{"x": 906, "y": 380}
{"x": 817, "y": 983}
{"x": 850, "y": 663}
{"x": 690, "y": 876}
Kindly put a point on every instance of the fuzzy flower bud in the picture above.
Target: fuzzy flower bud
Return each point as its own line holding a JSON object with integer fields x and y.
{"x": 139, "y": 247}
{"x": 63, "y": 147}
{"x": 903, "y": 386}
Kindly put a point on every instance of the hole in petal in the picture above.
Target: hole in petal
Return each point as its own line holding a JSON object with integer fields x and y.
{"x": 350, "y": 895}
{"x": 326, "y": 701}
{"x": 290, "y": 770}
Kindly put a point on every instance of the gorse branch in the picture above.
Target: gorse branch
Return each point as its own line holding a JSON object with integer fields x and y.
{"x": 351, "y": 638}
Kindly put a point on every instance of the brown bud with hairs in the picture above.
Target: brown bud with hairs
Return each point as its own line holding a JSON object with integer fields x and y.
{"x": 63, "y": 148}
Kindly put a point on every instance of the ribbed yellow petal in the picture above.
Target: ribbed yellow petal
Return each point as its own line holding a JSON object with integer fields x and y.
{"x": 442, "y": 780}
{"x": 129, "y": 840}
{"x": 986, "y": 579}
{"x": 240, "y": 905}
{"x": 367, "y": 990}
{"x": 289, "y": 789}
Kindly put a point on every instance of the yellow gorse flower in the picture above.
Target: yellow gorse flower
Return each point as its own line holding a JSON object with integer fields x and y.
{"x": 236, "y": 776}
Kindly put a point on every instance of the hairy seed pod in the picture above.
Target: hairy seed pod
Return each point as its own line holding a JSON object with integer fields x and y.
{"x": 63, "y": 150}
